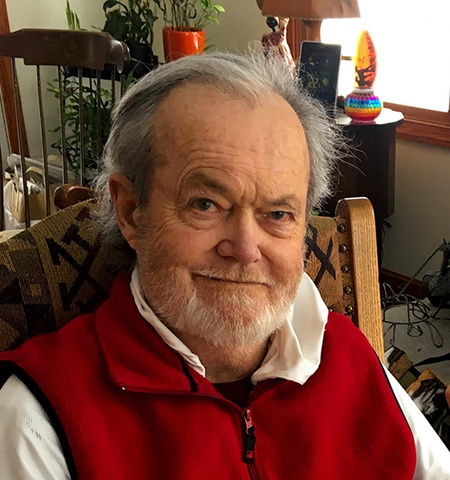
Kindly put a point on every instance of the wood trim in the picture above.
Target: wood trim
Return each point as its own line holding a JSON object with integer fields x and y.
{"x": 297, "y": 32}
{"x": 293, "y": 38}
{"x": 7, "y": 88}
{"x": 4, "y": 20}
{"x": 423, "y": 125}
{"x": 360, "y": 218}
{"x": 416, "y": 131}
{"x": 421, "y": 114}
{"x": 397, "y": 281}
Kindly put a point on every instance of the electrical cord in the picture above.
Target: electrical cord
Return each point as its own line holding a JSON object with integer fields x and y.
{"x": 418, "y": 315}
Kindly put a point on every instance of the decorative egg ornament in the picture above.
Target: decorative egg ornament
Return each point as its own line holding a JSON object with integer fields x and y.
{"x": 362, "y": 104}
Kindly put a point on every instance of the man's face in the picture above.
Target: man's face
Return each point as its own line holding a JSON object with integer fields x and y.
{"x": 220, "y": 244}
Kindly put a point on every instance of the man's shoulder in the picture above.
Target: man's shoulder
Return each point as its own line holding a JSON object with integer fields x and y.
{"x": 341, "y": 332}
{"x": 45, "y": 345}
{"x": 337, "y": 322}
{"x": 76, "y": 332}
{"x": 65, "y": 355}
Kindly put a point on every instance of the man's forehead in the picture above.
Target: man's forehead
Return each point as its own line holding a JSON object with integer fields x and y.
{"x": 193, "y": 92}
{"x": 196, "y": 123}
{"x": 202, "y": 108}
{"x": 194, "y": 98}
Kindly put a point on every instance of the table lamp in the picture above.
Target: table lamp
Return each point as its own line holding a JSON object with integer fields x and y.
{"x": 362, "y": 104}
{"x": 312, "y": 12}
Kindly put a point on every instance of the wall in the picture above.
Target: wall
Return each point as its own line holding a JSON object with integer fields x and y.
{"x": 51, "y": 13}
{"x": 421, "y": 219}
{"x": 422, "y": 207}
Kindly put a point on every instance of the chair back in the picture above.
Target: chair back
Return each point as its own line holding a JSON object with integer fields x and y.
{"x": 84, "y": 61}
{"x": 55, "y": 271}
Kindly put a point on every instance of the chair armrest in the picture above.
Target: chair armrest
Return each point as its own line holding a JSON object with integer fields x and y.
{"x": 360, "y": 220}
{"x": 68, "y": 195}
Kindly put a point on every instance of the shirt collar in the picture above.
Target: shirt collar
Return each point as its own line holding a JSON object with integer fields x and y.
{"x": 295, "y": 350}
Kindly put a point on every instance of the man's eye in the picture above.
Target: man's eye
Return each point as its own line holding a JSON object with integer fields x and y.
{"x": 279, "y": 215}
{"x": 204, "y": 204}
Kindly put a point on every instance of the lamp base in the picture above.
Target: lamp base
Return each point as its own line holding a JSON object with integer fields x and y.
{"x": 363, "y": 105}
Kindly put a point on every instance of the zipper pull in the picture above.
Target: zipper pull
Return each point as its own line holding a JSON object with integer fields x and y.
{"x": 250, "y": 439}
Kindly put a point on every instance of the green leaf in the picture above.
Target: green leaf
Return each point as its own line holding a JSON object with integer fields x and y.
{"x": 151, "y": 19}
{"x": 136, "y": 22}
{"x": 110, "y": 4}
{"x": 73, "y": 21}
{"x": 116, "y": 25}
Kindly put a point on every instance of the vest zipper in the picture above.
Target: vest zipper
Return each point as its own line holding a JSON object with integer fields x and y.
{"x": 249, "y": 444}
{"x": 249, "y": 437}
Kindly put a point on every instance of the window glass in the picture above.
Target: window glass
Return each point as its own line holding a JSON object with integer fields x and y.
{"x": 412, "y": 40}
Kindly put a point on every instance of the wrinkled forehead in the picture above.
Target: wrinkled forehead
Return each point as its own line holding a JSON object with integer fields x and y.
{"x": 199, "y": 114}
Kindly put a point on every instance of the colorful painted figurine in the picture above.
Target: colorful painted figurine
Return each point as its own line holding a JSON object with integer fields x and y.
{"x": 362, "y": 104}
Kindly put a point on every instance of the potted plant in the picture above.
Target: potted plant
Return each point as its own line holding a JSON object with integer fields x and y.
{"x": 132, "y": 22}
{"x": 185, "y": 21}
{"x": 91, "y": 122}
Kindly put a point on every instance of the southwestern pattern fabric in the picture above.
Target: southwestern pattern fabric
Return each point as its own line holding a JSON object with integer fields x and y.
{"x": 327, "y": 257}
{"x": 57, "y": 270}
{"x": 49, "y": 274}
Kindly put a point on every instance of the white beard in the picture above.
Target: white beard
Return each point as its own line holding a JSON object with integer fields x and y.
{"x": 233, "y": 328}
{"x": 224, "y": 315}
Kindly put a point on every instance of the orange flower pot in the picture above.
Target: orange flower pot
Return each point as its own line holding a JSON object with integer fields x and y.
{"x": 178, "y": 43}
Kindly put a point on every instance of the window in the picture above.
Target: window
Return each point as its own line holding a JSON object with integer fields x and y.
{"x": 412, "y": 39}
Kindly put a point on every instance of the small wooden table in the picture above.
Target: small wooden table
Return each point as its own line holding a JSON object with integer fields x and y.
{"x": 370, "y": 172}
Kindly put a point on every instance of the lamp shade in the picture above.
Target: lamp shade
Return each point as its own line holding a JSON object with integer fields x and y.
{"x": 311, "y": 9}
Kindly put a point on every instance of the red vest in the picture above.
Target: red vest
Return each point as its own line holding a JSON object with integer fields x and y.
{"x": 126, "y": 406}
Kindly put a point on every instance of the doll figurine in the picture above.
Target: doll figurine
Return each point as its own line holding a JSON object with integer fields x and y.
{"x": 277, "y": 39}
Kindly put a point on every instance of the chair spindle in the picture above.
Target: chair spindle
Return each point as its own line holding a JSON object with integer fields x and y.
{"x": 44, "y": 141}
{"x": 99, "y": 114}
{"x": 20, "y": 130}
{"x": 81, "y": 110}
{"x": 2, "y": 201}
{"x": 62, "y": 120}
{"x": 113, "y": 86}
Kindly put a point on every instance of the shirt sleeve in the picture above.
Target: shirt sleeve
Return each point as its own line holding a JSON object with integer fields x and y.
{"x": 433, "y": 457}
{"x": 29, "y": 446}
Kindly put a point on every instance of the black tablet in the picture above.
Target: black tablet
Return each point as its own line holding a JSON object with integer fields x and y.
{"x": 319, "y": 70}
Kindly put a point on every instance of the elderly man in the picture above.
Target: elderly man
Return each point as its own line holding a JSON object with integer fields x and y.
{"x": 216, "y": 357}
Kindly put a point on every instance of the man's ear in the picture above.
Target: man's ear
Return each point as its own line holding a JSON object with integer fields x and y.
{"x": 126, "y": 207}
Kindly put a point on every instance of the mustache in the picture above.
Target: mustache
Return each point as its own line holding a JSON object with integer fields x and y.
{"x": 234, "y": 274}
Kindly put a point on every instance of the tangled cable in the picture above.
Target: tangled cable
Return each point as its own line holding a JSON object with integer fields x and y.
{"x": 418, "y": 315}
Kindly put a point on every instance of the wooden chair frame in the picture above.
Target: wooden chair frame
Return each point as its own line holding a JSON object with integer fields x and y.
{"x": 62, "y": 48}
{"x": 360, "y": 220}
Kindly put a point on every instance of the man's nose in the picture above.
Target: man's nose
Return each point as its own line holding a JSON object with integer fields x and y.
{"x": 241, "y": 239}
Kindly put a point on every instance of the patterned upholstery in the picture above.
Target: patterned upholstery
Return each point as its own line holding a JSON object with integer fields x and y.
{"x": 327, "y": 258}
{"x": 49, "y": 274}
{"x": 55, "y": 271}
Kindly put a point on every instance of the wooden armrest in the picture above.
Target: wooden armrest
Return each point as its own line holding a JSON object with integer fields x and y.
{"x": 360, "y": 220}
{"x": 68, "y": 195}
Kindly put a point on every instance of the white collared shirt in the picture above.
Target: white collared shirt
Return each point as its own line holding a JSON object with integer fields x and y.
{"x": 30, "y": 448}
